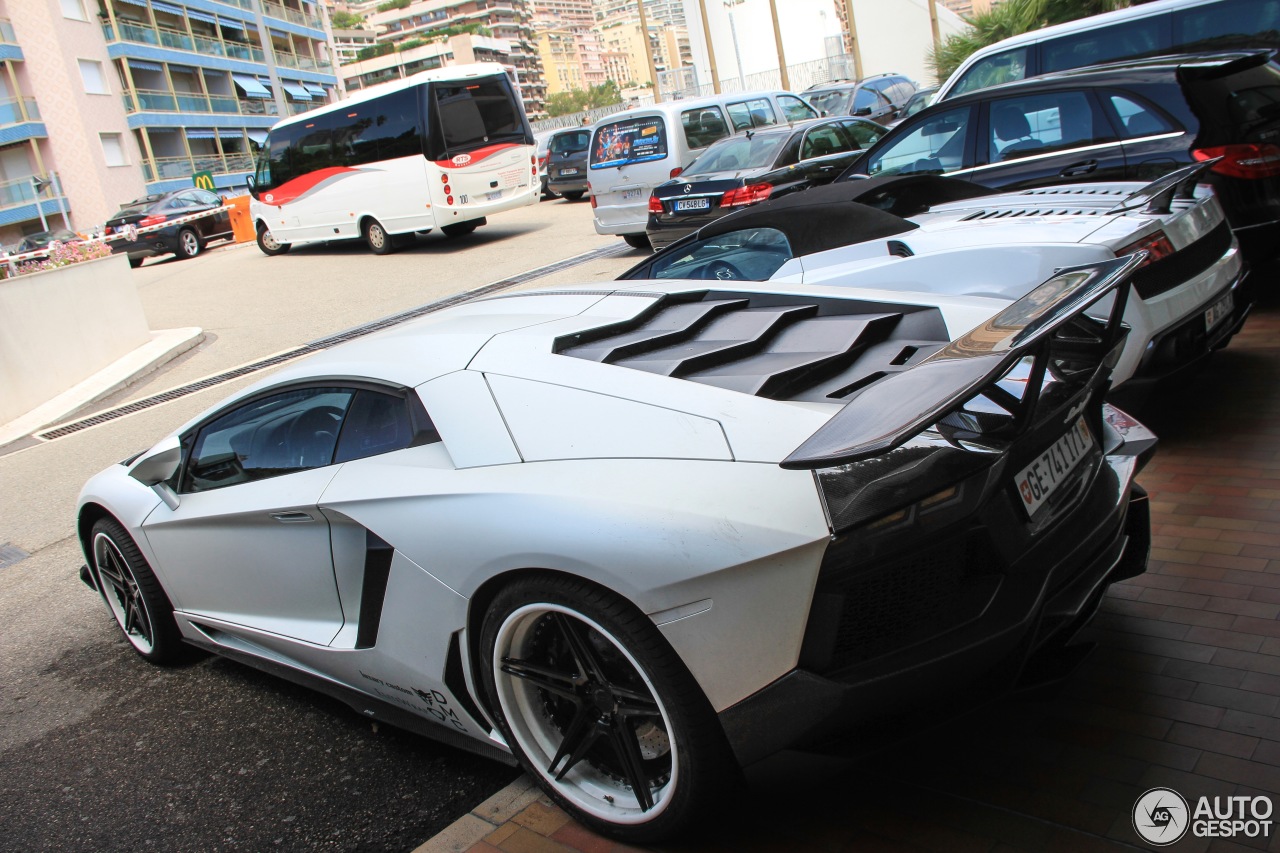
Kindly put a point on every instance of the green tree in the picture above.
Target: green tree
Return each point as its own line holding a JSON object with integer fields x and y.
{"x": 1009, "y": 19}
{"x": 580, "y": 100}
{"x": 345, "y": 20}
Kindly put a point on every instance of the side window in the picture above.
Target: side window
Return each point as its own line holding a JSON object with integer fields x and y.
{"x": 205, "y": 197}
{"x": 1136, "y": 119}
{"x": 931, "y": 146}
{"x": 795, "y": 109}
{"x": 754, "y": 113}
{"x": 864, "y": 134}
{"x": 1142, "y": 37}
{"x": 823, "y": 141}
{"x": 1228, "y": 24}
{"x": 703, "y": 126}
{"x": 376, "y": 423}
{"x": 866, "y": 101}
{"x": 998, "y": 68}
{"x": 1034, "y": 124}
{"x": 280, "y": 434}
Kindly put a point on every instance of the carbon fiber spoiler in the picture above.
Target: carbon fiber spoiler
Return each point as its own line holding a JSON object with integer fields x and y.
{"x": 1157, "y": 197}
{"x": 890, "y": 412}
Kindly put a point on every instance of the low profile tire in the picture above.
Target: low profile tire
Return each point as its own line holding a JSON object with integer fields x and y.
{"x": 269, "y": 245}
{"x": 599, "y": 709}
{"x": 576, "y": 195}
{"x": 377, "y": 238}
{"x": 459, "y": 229}
{"x": 133, "y": 595}
{"x": 638, "y": 241}
{"x": 189, "y": 244}
{"x": 134, "y": 263}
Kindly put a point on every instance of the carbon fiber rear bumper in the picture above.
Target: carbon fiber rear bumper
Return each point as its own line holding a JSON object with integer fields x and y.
{"x": 1027, "y": 625}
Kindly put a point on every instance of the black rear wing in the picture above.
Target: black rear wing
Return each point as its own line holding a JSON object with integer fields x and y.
{"x": 890, "y": 412}
{"x": 1157, "y": 197}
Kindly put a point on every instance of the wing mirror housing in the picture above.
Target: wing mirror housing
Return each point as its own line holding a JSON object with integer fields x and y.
{"x": 156, "y": 466}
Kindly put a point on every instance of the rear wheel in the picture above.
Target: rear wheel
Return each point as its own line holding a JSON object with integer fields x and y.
{"x": 460, "y": 229}
{"x": 574, "y": 195}
{"x": 377, "y": 238}
{"x": 189, "y": 244}
{"x": 133, "y": 595}
{"x": 269, "y": 245}
{"x": 638, "y": 241}
{"x": 600, "y": 710}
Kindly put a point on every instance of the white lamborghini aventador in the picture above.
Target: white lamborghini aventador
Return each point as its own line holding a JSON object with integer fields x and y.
{"x": 638, "y": 536}
{"x": 941, "y": 235}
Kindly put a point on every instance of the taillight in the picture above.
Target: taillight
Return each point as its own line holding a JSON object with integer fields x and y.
{"x": 154, "y": 219}
{"x": 1243, "y": 161}
{"x": 542, "y": 161}
{"x": 1157, "y": 246}
{"x": 448, "y": 190}
{"x": 655, "y": 204}
{"x": 746, "y": 195}
{"x": 675, "y": 173}
{"x": 444, "y": 177}
{"x": 593, "y": 202}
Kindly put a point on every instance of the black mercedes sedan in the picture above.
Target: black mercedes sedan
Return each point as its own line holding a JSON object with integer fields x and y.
{"x": 742, "y": 170}
{"x": 185, "y": 238}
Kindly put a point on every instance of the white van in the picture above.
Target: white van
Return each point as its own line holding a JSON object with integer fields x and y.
{"x": 635, "y": 150}
{"x": 1163, "y": 26}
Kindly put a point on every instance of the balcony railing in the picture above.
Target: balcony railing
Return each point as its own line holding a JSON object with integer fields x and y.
{"x": 18, "y": 192}
{"x": 175, "y": 40}
{"x": 166, "y": 168}
{"x": 6, "y": 32}
{"x": 18, "y": 110}
{"x": 275, "y": 10}
{"x": 301, "y": 62}
{"x": 154, "y": 100}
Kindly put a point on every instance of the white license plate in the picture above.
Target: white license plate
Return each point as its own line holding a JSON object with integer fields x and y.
{"x": 494, "y": 196}
{"x": 568, "y": 171}
{"x": 693, "y": 204}
{"x": 1218, "y": 312}
{"x": 627, "y": 195}
{"x": 1042, "y": 477}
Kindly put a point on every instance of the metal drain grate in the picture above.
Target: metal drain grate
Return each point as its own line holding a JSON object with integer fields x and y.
{"x": 11, "y": 554}
{"x": 107, "y": 415}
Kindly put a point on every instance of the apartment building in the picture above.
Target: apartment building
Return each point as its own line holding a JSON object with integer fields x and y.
{"x": 505, "y": 20}
{"x": 118, "y": 98}
{"x": 669, "y": 12}
{"x": 624, "y": 49}
{"x": 435, "y": 53}
{"x": 347, "y": 44}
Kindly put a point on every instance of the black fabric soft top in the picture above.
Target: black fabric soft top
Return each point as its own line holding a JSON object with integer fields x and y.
{"x": 815, "y": 220}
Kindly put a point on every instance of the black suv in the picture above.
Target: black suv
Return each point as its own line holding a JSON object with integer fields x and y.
{"x": 1132, "y": 120}
{"x": 879, "y": 98}
{"x": 185, "y": 238}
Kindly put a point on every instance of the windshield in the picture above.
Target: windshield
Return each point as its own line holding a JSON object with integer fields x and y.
{"x": 737, "y": 153}
{"x": 571, "y": 143}
{"x": 633, "y": 140}
{"x": 751, "y": 254}
{"x": 832, "y": 103}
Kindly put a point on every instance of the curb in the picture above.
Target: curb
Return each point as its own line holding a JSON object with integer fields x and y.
{"x": 484, "y": 819}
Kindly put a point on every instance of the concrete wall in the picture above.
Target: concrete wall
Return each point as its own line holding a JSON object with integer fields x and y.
{"x": 59, "y": 327}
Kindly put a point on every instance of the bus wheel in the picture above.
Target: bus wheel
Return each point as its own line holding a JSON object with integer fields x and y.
{"x": 269, "y": 245}
{"x": 379, "y": 241}
{"x": 459, "y": 229}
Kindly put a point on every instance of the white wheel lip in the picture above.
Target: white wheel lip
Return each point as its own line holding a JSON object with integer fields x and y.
{"x": 113, "y": 603}
{"x": 576, "y": 786}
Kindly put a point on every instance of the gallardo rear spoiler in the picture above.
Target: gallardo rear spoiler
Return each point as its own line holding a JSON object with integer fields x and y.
{"x": 890, "y": 412}
{"x": 1157, "y": 197}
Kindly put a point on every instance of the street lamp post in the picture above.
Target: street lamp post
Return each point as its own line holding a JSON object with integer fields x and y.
{"x": 737, "y": 53}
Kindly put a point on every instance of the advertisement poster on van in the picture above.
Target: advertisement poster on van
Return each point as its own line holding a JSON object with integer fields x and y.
{"x": 632, "y": 141}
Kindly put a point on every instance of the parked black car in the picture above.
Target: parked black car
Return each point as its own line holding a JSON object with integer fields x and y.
{"x": 42, "y": 239}
{"x": 879, "y": 98}
{"x": 742, "y": 170}
{"x": 184, "y": 239}
{"x": 1131, "y": 120}
{"x": 567, "y": 162}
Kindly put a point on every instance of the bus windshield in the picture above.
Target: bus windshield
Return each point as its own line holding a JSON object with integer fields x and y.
{"x": 476, "y": 113}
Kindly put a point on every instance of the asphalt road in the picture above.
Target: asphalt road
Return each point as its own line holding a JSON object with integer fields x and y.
{"x": 101, "y": 751}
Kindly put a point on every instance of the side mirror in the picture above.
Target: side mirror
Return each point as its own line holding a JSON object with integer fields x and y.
{"x": 157, "y": 464}
{"x": 862, "y": 111}
{"x": 248, "y": 179}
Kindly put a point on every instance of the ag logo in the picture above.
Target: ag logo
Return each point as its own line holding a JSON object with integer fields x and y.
{"x": 1161, "y": 817}
{"x": 461, "y": 160}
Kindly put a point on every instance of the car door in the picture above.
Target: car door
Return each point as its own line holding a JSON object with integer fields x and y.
{"x": 212, "y": 226}
{"x": 937, "y": 142}
{"x": 1039, "y": 138}
{"x": 826, "y": 151}
{"x": 247, "y": 543}
{"x": 1154, "y": 143}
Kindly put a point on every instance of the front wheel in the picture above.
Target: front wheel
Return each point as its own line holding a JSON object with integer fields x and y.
{"x": 377, "y": 238}
{"x": 133, "y": 595}
{"x": 269, "y": 245}
{"x": 638, "y": 241}
{"x": 189, "y": 244}
{"x": 599, "y": 709}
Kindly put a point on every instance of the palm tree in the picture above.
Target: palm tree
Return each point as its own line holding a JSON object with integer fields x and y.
{"x": 1009, "y": 19}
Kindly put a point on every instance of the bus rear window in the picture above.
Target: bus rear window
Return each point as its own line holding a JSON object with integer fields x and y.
{"x": 636, "y": 140}
{"x": 476, "y": 113}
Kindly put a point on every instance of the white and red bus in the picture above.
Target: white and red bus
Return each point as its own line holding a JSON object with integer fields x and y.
{"x": 442, "y": 149}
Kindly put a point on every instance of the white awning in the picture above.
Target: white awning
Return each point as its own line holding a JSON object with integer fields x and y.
{"x": 251, "y": 87}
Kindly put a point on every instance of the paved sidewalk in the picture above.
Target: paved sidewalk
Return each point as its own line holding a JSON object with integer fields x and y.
{"x": 1183, "y": 690}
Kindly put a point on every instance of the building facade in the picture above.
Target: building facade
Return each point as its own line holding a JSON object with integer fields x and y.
{"x": 436, "y": 53}
{"x": 119, "y": 98}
